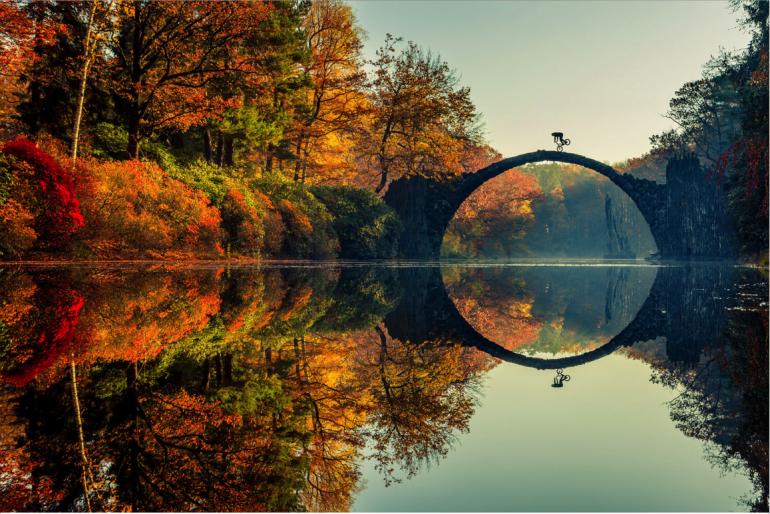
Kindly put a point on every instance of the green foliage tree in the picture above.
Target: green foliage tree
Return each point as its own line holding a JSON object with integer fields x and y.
{"x": 367, "y": 228}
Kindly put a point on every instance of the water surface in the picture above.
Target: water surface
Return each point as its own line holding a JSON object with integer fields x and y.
{"x": 526, "y": 386}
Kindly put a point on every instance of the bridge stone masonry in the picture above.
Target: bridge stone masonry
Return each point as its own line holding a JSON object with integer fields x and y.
{"x": 686, "y": 215}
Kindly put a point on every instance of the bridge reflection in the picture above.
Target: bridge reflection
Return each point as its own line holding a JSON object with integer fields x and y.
{"x": 686, "y": 305}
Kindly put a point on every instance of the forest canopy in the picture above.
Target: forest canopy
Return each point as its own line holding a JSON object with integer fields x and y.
{"x": 240, "y": 106}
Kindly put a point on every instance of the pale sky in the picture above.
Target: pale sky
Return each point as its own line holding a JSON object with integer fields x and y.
{"x": 602, "y": 72}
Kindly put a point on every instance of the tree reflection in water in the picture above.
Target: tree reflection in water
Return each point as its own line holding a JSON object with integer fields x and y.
{"x": 263, "y": 389}
{"x": 724, "y": 400}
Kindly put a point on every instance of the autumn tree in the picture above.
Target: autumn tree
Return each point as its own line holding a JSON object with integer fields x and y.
{"x": 16, "y": 36}
{"x": 749, "y": 159}
{"x": 51, "y": 80}
{"x": 21, "y": 33}
{"x": 99, "y": 20}
{"x": 420, "y": 117}
{"x": 321, "y": 376}
{"x": 494, "y": 218}
{"x": 335, "y": 77}
{"x": 270, "y": 87}
{"x": 477, "y": 156}
{"x": 165, "y": 55}
{"x": 423, "y": 395}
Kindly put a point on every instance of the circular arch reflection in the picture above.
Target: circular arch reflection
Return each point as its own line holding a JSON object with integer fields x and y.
{"x": 647, "y": 319}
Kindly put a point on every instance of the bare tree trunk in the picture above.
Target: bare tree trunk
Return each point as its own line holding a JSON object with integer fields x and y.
{"x": 206, "y": 375}
{"x": 305, "y": 159}
{"x": 382, "y": 155}
{"x": 269, "y": 361}
{"x": 297, "y": 359}
{"x": 133, "y": 136}
{"x": 227, "y": 152}
{"x": 88, "y": 57}
{"x": 383, "y": 181}
{"x": 269, "y": 160}
{"x": 132, "y": 378}
{"x": 298, "y": 162}
{"x": 227, "y": 369}
{"x": 135, "y": 113}
{"x": 207, "y": 152}
{"x": 86, "y": 472}
{"x": 271, "y": 146}
{"x": 220, "y": 148}
{"x": 218, "y": 369}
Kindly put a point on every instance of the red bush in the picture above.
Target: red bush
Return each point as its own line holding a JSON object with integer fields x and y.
{"x": 41, "y": 329}
{"x": 58, "y": 214}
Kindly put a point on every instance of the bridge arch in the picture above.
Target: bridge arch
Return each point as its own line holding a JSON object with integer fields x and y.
{"x": 426, "y": 207}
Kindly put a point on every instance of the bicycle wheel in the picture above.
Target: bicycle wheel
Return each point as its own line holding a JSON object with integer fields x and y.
{"x": 567, "y": 142}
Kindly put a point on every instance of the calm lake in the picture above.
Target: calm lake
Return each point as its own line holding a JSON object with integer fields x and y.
{"x": 517, "y": 386}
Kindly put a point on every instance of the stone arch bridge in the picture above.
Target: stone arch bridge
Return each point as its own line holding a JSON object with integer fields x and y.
{"x": 685, "y": 215}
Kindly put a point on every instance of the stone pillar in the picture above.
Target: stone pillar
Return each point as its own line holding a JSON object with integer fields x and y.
{"x": 697, "y": 224}
{"x": 425, "y": 208}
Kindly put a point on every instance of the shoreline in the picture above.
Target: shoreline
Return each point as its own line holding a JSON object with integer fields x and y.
{"x": 524, "y": 261}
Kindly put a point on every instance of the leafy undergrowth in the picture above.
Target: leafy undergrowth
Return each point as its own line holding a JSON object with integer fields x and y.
{"x": 104, "y": 209}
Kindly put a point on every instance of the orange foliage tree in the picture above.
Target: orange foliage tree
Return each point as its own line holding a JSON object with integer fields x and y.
{"x": 133, "y": 209}
{"x": 494, "y": 216}
{"x": 335, "y": 98}
{"x": 420, "y": 118}
{"x": 19, "y": 34}
{"x": 167, "y": 52}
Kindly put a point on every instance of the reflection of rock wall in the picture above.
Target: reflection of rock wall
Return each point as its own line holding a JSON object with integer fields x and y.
{"x": 592, "y": 301}
{"x": 692, "y": 309}
{"x": 617, "y": 219}
{"x": 616, "y": 303}
{"x": 696, "y": 311}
